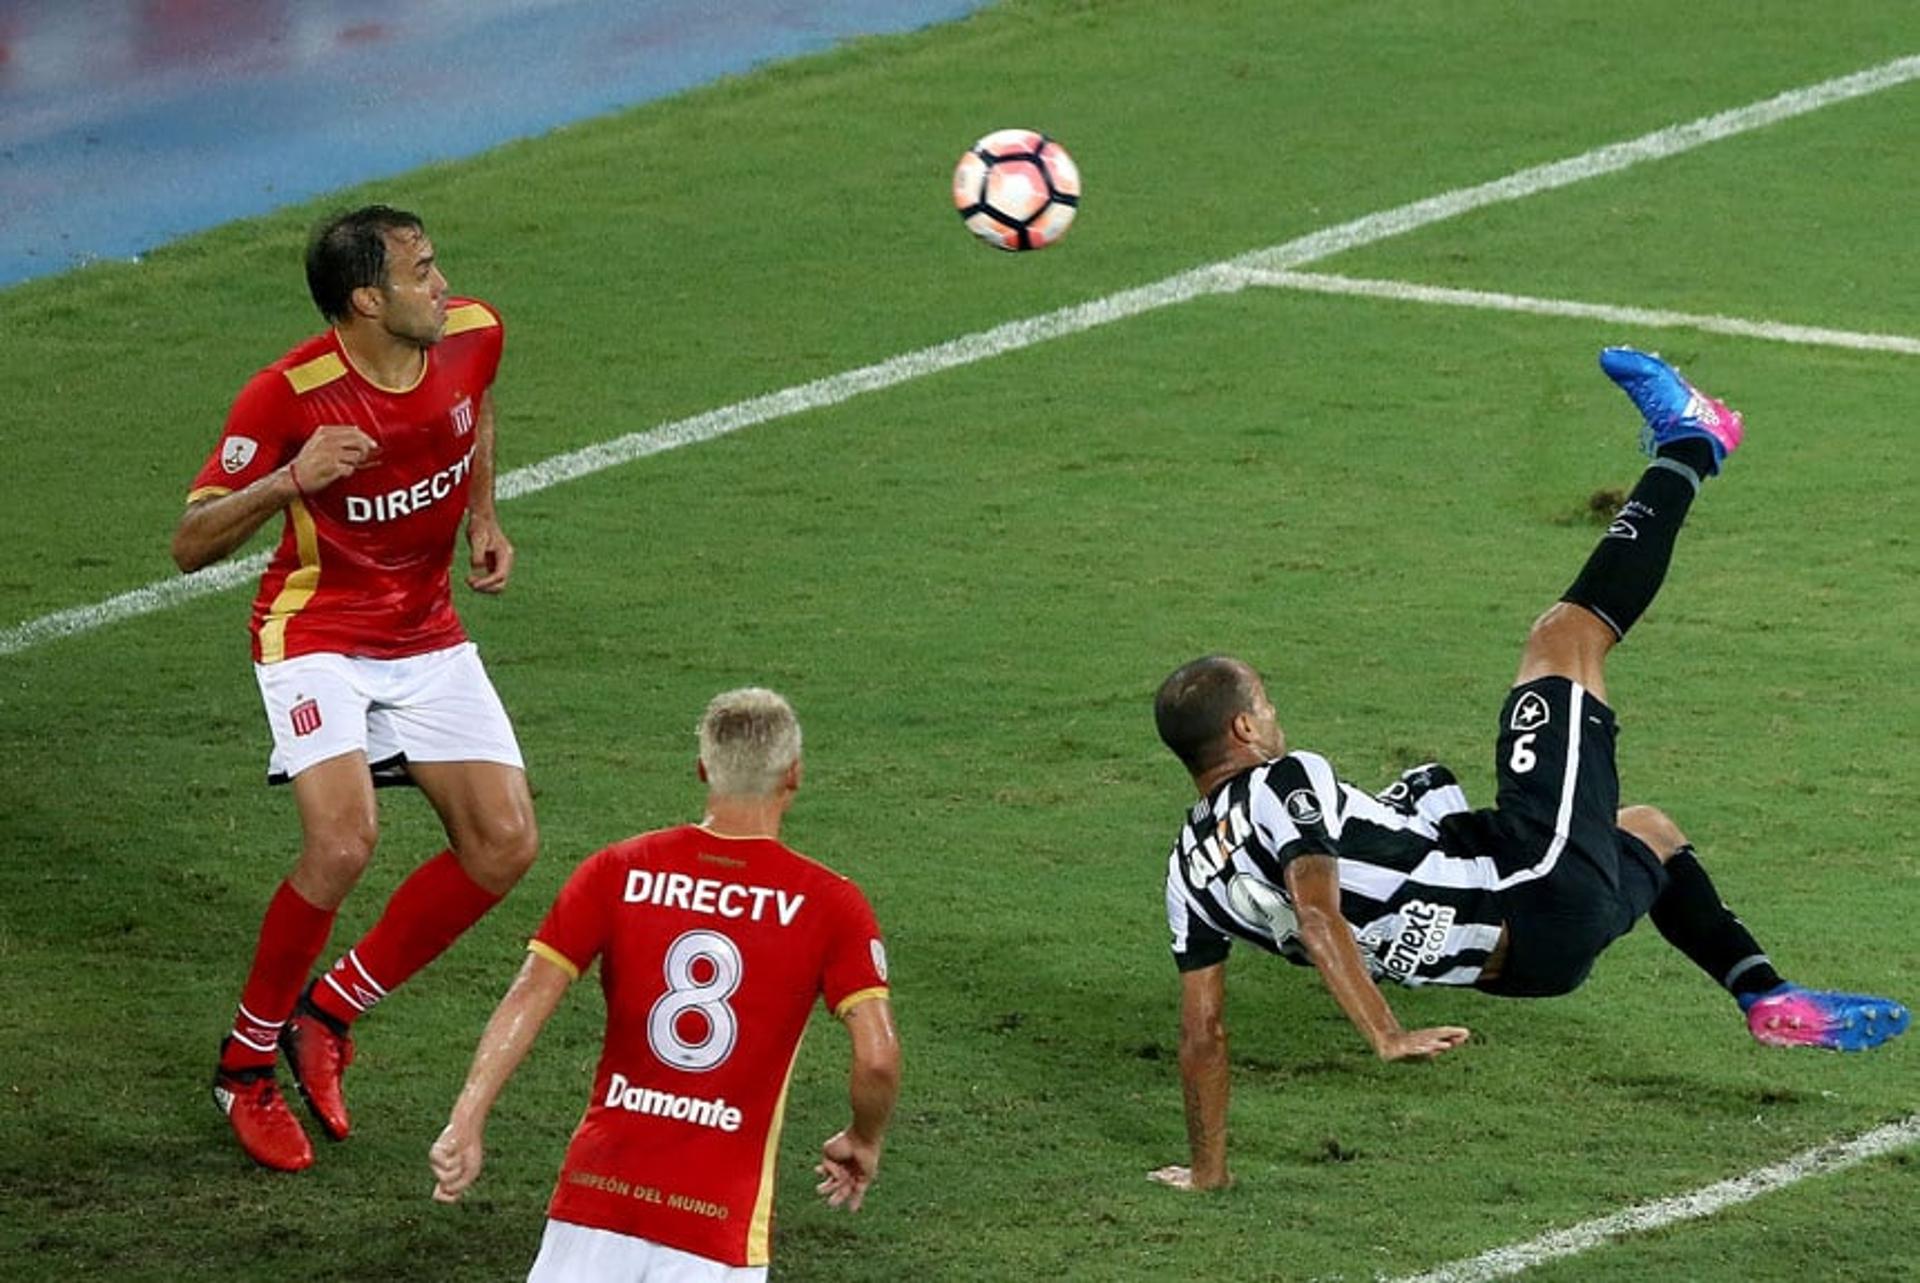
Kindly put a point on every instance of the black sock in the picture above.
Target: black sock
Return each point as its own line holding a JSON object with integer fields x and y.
{"x": 1622, "y": 575}
{"x": 1689, "y": 914}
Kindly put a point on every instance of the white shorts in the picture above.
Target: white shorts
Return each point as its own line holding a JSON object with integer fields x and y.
{"x": 436, "y": 707}
{"x": 572, "y": 1253}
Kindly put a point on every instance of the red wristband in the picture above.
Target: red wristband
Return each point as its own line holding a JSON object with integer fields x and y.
{"x": 295, "y": 478}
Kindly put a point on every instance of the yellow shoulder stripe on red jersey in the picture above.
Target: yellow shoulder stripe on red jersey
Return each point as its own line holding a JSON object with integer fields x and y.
{"x": 859, "y": 996}
{"x": 541, "y": 949}
{"x": 468, "y": 316}
{"x": 317, "y": 373}
{"x": 207, "y": 492}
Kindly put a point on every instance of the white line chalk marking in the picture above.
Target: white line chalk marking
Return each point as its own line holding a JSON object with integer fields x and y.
{"x": 1776, "y": 331}
{"x": 1218, "y": 278}
{"x": 1657, "y": 145}
{"x": 1835, "y": 1156}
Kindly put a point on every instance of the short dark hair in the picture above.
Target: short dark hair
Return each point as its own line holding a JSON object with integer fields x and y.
{"x": 348, "y": 251}
{"x": 1195, "y": 704}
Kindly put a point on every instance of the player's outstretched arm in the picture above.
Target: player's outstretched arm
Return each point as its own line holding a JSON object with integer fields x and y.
{"x": 850, "y": 1159}
{"x": 489, "y": 553}
{"x": 1313, "y": 882}
{"x": 456, "y": 1157}
{"x": 213, "y": 528}
{"x": 1204, "y": 1080}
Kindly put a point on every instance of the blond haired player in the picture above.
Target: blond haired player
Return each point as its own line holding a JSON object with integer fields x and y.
{"x": 714, "y": 942}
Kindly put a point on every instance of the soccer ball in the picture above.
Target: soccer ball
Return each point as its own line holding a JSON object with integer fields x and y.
{"x": 1016, "y": 189}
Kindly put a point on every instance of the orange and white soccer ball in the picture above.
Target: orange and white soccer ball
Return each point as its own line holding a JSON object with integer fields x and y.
{"x": 1017, "y": 189}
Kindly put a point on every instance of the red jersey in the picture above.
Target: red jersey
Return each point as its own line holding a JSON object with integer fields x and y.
{"x": 361, "y": 568}
{"x": 712, "y": 953}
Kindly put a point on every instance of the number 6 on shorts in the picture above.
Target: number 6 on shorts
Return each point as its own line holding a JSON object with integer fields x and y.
{"x": 1523, "y": 758}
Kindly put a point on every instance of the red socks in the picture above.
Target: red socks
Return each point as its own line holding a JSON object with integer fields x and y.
{"x": 428, "y": 912}
{"x": 291, "y": 936}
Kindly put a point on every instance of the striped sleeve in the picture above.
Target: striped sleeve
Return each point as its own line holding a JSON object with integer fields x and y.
{"x": 1196, "y": 942}
{"x": 1295, "y": 806}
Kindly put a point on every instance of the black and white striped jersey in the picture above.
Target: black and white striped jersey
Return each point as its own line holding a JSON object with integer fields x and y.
{"x": 1420, "y": 915}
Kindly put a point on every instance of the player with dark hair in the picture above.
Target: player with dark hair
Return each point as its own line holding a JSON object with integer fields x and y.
{"x": 1411, "y": 886}
{"x": 715, "y": 941}
{"x": 371, "y": 441}
{"x": 349, "y": 252}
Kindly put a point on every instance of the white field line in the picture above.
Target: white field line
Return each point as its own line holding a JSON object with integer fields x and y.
{"x": 1776, "y": 331}
{"x": 1503, "y": 1262}
{"x": 1657, "y": 145}
{"x": 1214, "y": 279}
{"x": 156, "y": 596}
{"x": 1011, "y": 337}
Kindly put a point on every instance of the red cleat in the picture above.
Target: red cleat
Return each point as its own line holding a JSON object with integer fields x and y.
{"x": 266, "y": 1128}
{"x": 318, "y": 1050}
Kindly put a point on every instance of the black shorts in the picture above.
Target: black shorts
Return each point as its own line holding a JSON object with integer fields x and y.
{"x": 1571, "y": 882}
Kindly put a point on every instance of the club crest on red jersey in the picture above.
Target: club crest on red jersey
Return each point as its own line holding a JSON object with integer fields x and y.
{"x": 462, "y": 416}
{"x": 305, "y": 716}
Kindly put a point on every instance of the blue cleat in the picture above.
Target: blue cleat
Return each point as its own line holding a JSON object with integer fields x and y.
{"x": 1789, "y": 1016}
{"x": 1673, "y": 408}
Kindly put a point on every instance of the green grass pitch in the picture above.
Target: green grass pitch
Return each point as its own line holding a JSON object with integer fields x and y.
{"x": 969, "y": 585}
